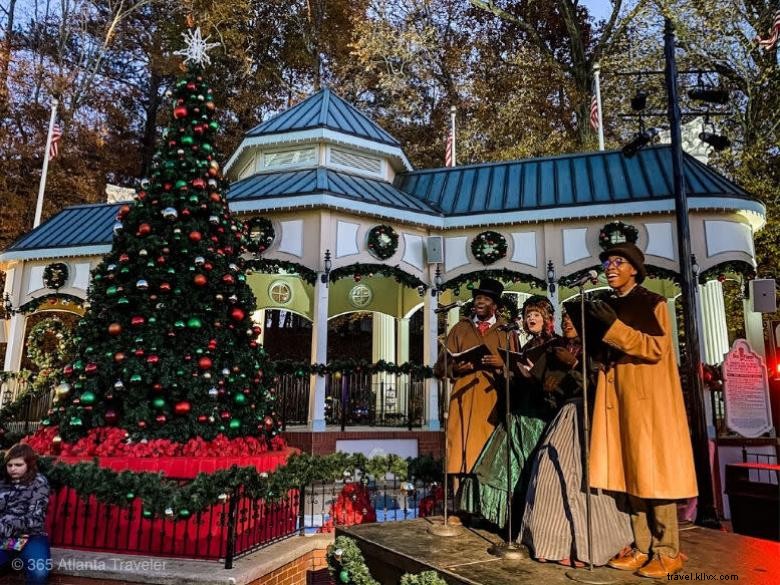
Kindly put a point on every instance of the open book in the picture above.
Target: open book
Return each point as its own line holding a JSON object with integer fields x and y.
{"x": 472, "y": 355}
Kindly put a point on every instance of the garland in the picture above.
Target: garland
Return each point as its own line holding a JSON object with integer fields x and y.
{"x": 259, "y": 234}
{"x": 358, "y": 270}
{"x": 55, "y": 275}
{"x": 52, "y": 299}
{"x": 352, "y": 366}
{"x": 268, "y": 266}
{"x": 488, "y": 247}
{"x": 629, "y": 233}
{"x": 719, "y": 271}
{"x": 162, "y": 496}
{"x": 347, "y": 564}
{"x": 382, "y": 241}
{"x": 470, "y": 279}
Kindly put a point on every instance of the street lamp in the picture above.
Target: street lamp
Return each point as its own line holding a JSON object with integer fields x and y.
{"x": 438, "y": 281}
{"x": 550, "y": 276}
{"x": 325, "y": 277}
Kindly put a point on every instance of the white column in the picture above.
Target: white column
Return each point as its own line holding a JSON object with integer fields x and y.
{"x": 319, "y": 355}
{"x": 754, "y": 328}
{"x": 383, "y": 348}
{"x": 672, "y": 308}
{"x": 16, "y": 327}
{"x": 430, "y": 353}
{"x": 453, "y": 316}
{"x": 715, "y": 332}
{"x": 553, "y": 296}
{"x": 402, "y": 355}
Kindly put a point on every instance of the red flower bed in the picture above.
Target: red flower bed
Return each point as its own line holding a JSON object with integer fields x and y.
{"x": 112, "y": 442}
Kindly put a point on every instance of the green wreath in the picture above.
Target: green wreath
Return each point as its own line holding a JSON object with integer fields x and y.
{"x": 628, "y": 233}
{"x": 55, "y": 275}
{"x": 382, "y": 241}
{"x": 260, "y": 234}
{"x": 488, "y": 247}
{"x": 49, "y": 344}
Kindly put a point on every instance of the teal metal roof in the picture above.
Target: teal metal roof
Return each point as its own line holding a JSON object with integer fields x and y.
{"x": 324, "y": 109}
{"x": 279, "y": 186}
{"x": 562, "y": 181}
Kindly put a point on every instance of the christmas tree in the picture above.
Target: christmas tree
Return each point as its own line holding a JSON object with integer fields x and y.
{"x": 167, "y": 348}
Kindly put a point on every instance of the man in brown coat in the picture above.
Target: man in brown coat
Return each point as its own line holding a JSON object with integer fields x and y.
{"x": 472, "y": 410}
{"x": 640, "y": 442}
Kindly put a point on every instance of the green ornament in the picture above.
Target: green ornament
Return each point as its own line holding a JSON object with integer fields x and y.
{"x": 88, "y": 398}
{"x": 470, "y": 286}
{"x": 135, "y": 378}
{"x": 46, "y": 422}
{"x": 344, "y": 576}
{"x": 89, "y": 349}
{"x": 186, "y": 140}
{"x": 124, "y": 270}
{"x": 179, "y": 324}
{"x": 184, "y": 513}
{"x": 180, "y": 183}
{"x": 194, "y": 323}
{"x": 129, "y": 496}
{"x": 193, "y": 199}
{"x": 111, "y": 290}
{"x": 152, "y": 319}
{"x": 123, "y": 301}
{"x": 75, "y": 421}
{"x": 179, "y": 372}
{"x": 214, "y": 125}
{"x": 78, "y": 365}
{"x": 235, "y": 424}
{"x": 239, "y": 398}
{"x": 159, "y": 403}
{"x": 206, "y": 147}
{"x": 169, "y": 165}
{"x": 147, "y": 513}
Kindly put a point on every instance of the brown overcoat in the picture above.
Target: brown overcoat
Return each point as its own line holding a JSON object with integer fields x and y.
{"x": 640, "y": 442}
{"x": 473, "y": 397}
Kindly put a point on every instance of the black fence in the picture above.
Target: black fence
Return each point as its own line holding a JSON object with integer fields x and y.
{"x": 21, "y": 407}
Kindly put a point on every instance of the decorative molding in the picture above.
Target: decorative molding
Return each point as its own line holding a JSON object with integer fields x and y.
{"x": 346, "y": 239}
{"x": 575, "y": 245}
{"x": 455, "y": 252}
{"x": 292, "y": 237}
{"x": 524, "y": 248}
{"x": 728, "y": 236}
{"x": 413, "y": 250}
{"x": 660, "y": 240}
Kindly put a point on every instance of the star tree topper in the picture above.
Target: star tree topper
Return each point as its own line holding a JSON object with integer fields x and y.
{"x": 197, "y": 48}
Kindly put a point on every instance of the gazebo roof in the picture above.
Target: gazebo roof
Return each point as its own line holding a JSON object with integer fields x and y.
{"x": 324, "y": 109}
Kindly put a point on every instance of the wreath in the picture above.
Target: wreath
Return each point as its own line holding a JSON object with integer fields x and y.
{"x": 382, "y": 241}
{"x": 55, "y": 275}
{"x": 488, "y": 247}
{"x": 617, "y": 232}
{"x": 49, "y": 344}
{"x": 260, "y": 233}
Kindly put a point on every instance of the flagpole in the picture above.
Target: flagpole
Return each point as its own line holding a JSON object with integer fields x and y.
{"x": 597, "y": 80}
{"x": 453, "y": 110}
{"x": 42, "y": 186}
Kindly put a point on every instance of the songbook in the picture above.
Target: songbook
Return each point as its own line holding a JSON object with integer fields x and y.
{"x": 472, "y": 355}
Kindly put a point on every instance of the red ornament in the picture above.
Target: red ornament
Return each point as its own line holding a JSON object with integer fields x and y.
{"x": 144, "y": 229}
{"x": 215, "y": 197}
{"x": 161, "y": 419}
{"x": 224, "y": 415}
{"x": 182, "y": 407}
{"x": 229, "y": 279}
{"x": 119, "y": 357}
{"x": 123, "y": 211}
{"x": 165, "y": 287}
{"x": 141, "y": 424}
{"x": 139, "y": 352}
{"x": 179, "y": 112}
{"x": 90, "y": 368}
{"x": 205, "y": 363}
{"x": 198, "y": 183}
{"x": 157, "y": 387}
{"x": 161, "y": 260}
{"x": 137, "y": 320}
{"x": 721, "y": 278}
{"x": 357, "y": 278}
{"x": 67, "y": 370}
{"x": 124, "y": 258}
{"x": 202, "y": 418}
{"x": 200, "y": 280}
{"x": 110, "y": 416}
{"x": 212, "y": 344}
{"x": 237, "y": 314}
{"x": 153, "y": 359}
{"x": 268, "y": 423}
{"x": 195, "y": 236}
{"x": 115, "y": 329}
{"x": 208, "y": 266}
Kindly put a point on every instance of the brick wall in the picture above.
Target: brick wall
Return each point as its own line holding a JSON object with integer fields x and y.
{"x": 428, "y": 442}
{"x": 298, "y": 572}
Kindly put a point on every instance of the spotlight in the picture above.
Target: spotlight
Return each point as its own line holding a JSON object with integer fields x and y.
{"x": 716, "y": 141}
{"x": 639, "y": 142}
{"x": 639, "y": 101}
{"x": 710, "y": 95}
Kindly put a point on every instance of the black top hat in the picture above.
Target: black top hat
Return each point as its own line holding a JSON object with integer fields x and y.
{"x": 631, "y": 253}
{"x": 489, "y": 287}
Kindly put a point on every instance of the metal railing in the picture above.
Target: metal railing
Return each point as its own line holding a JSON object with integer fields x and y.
{"x": 21, "y": 411}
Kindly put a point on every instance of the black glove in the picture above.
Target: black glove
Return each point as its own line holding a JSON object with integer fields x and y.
{"x": 564, "y": 357}
{"x": 603, "y": 312}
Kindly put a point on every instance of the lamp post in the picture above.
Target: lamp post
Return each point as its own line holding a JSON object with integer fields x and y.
{"x": 705, "y": 514}
{"x": 325, "y": 277}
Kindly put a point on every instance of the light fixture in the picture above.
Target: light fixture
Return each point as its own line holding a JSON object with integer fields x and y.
{"x": 716, "y": 141}
{"x": 8, "y": 307}
{"x": 639, "y": 141}
{"x": 709, "y": 94}
{"x": 550, "y": 276}
{"x": 325, "y": 277}
{"x": 438, "y": 281}
{"x": 639, "y": 101}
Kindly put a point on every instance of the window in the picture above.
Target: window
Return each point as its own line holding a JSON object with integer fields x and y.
{"x": 289, "y": 158}
{"x": 280, "y": 292}
{"x": 356, "y": 161}
{"x": 361, "y": 296}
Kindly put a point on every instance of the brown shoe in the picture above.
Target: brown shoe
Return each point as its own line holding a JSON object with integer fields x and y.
{"x": 661, "y": 566}
{"x": 629, "y": 562}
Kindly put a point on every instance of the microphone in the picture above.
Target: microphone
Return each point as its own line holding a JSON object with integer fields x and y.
{"x": 591, "y": 276}
{"x": 514, "y": 326}
{"x": 445, "y": 308}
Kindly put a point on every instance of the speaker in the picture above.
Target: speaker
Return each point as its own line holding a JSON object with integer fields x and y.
{"x": 434, "y": 249}
{"x": 763, "y": 295}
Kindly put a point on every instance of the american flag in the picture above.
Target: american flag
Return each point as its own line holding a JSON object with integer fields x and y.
{"x": 54, "y": 147}
{"x": 774, "y": 34}
{"x": 594, "y": 112}
{"x": 449, "y": 159}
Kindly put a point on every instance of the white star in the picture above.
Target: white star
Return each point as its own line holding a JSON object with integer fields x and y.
{"x": 197, "y": 48}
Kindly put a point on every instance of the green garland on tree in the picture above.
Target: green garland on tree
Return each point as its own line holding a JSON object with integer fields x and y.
{"x": 272, "y": 266}
{"x": 359, "y": 270}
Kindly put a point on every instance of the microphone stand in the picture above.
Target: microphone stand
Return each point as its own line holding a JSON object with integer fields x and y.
{"x": 581, "y": 575}
{"x": 509, "y": 550}
{"x": 444, "y": 529}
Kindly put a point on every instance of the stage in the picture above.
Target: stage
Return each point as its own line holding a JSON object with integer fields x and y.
{"x": 394, "y": 548}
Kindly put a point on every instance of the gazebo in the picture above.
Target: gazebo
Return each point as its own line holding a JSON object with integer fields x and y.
{"x": 342, "y": 223}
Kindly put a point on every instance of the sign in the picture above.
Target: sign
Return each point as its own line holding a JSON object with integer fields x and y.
{"x": 746, "y": 391}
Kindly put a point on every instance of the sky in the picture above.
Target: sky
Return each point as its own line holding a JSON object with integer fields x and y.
{"x": 599, "y": 9}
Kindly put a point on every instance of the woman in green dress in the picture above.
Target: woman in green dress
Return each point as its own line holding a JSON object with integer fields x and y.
{"x": 484, "y": 492}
